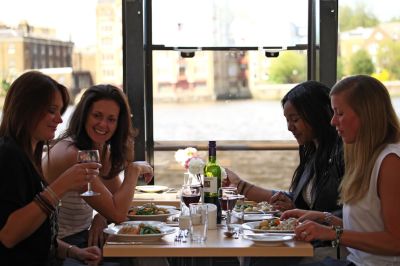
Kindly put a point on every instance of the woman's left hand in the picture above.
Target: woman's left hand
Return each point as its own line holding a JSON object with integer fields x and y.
{"x": 96, "y": 235}
{"x": 90, "y": 255}
{"x": 281, "y": 202}
{"x": 309, "y": 230}
{"x": 145, "y": 169}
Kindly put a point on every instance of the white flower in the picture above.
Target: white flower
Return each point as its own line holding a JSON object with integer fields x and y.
{"x": 183, "y": 155}
{"x": 224, "y": 175}
{"x": 196, "y": 166}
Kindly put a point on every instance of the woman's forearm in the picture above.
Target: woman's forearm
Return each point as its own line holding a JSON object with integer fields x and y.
{"x": 21, "y": 224}
{"x": 380, "y": 243}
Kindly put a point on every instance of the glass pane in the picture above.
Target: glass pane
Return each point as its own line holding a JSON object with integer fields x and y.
{"x": 268, "y": 169}
{"x": 229, "y": 22}
{"x": 369, "y": 33}
{"x": 223, "y": 95}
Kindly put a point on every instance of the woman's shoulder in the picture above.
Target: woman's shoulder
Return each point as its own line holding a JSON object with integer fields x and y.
{"x": 64, "y": 150}
{"x": 9, "y": 148}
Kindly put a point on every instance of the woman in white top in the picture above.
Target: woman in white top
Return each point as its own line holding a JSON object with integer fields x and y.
{"x": 365, "y": 119}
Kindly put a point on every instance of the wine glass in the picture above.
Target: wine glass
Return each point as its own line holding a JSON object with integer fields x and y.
{"x": 227, "y": 198}
{"x": 87, "y": 156}
{"x": 191, "y": 194}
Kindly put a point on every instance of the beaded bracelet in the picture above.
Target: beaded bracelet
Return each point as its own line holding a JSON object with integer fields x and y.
{"x": 53, "y": 195}
{"x": 339, "y": 232}
{"x": 41, "y": 205}
{"x": 46, "y": 201}
{"x": 240, "y": 186}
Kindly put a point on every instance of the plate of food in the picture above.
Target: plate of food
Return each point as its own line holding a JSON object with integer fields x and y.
{"x": 273, "y": 225}
{"x": 269, "y": 239}
{"x": 151, "y": 189}
{"x": 150, "y": 212}
{"x": 262, "y": 207}
{"x": 139, "y": 230}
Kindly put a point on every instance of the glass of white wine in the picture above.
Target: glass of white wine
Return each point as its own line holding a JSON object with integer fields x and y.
{"x": 88, "y": 156}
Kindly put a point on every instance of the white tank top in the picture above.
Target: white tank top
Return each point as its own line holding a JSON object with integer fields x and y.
{"x": 75, "y": 215}
{"x": 366, "y": 216}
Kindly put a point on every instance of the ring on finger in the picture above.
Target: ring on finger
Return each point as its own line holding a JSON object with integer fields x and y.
{"x": 87, "y": 171}
{"x": 304, "y": 234}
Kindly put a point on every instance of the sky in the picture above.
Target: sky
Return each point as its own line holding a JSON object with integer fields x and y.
{"x": 76, "y": 19}
{"x": 73, "y": 19}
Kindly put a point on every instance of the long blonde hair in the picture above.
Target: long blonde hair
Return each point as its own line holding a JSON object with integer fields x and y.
{"x": 379, "y": 126}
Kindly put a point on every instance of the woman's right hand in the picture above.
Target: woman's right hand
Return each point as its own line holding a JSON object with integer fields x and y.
{"x": 78, "y": 175}
{"x": 232, "y": 179}
{"x": 144, "y": 169}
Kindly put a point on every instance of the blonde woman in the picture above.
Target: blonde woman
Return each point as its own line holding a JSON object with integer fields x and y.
{"x": 365, "y": 119}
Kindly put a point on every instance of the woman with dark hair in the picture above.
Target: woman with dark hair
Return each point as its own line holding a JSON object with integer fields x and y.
{"x": 101, "y": 121}
{"x": 316, "y": 180}
{"x": 28, "y": 205}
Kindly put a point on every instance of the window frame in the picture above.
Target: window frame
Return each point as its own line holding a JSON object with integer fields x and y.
{"x": 137, "y": 71}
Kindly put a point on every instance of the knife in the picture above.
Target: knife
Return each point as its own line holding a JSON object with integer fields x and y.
{"x": 135, "y": 243}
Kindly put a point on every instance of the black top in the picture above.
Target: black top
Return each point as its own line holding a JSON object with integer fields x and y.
{"x": 325, "y": 194}
{"x": 19, "y": 183}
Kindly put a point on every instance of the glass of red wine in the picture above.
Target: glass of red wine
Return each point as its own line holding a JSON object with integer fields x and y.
{"x": 191, "y": 194}
{"x": 227, "y": 198}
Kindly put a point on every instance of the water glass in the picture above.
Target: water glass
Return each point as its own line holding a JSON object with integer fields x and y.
{"x": 198, "y": 221}
{"x": 239, "y": 208}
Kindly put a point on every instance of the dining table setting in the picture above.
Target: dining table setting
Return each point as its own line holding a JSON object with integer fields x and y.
{"x": 158, "y": 225}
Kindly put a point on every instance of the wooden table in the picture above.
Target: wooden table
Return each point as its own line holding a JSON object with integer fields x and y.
{"x": 217, "y": 245}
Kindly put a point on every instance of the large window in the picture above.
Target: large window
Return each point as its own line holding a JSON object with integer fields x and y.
{"x": 216, "y": 70}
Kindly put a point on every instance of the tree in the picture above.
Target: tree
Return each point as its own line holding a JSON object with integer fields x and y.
{"x": 361, "y": 63}
{"x": 339, "y": 68}
{"x": 290, "y": 67}
{"x": 389, "y": 57}
{"x": 351, "y": 18}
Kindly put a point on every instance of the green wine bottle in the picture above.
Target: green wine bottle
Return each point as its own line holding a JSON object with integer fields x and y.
{"x": 212, "y": 179}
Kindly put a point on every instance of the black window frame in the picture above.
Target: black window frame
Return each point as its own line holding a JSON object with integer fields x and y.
{"x": 137, "y": 71}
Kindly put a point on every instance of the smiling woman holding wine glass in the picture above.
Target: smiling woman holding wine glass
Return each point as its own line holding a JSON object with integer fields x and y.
{"x": 28, "y": 205}
{"x": 101, "y": 121}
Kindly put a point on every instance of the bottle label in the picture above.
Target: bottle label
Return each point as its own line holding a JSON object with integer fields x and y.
{"x": 210, "y": 184}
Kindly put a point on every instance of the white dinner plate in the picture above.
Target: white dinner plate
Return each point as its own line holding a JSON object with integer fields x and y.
{"x": 155, "y": 217}
{"x": 168, "y": 207}
{"x": 151, "y": 189}
{"x": 253, "y": 216}
{"x": 268, "y": 239}
{"x": 165, "y": 230}
{"x": 252, "y": 226}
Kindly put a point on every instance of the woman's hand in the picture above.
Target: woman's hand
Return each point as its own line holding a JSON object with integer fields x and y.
{"x": 303, "y": 215}
{"x": 90, "y": 255}
{"x": 77, "y": 176}
{"x": 144, "y": 169}
{"x": 281, "y": 202}
{"x": 96, "y": 235}
{"x": 309, "y": 230}
{"x": 232, "y": 179}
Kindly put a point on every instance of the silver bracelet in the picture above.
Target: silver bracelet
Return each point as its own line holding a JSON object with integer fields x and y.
{"x": 328, "y": 217}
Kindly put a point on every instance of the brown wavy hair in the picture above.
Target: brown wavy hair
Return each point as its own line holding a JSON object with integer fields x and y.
{"x": 27, "y": 101}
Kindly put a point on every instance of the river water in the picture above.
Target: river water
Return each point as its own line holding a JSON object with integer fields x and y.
{"x": 222, "y": 120}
